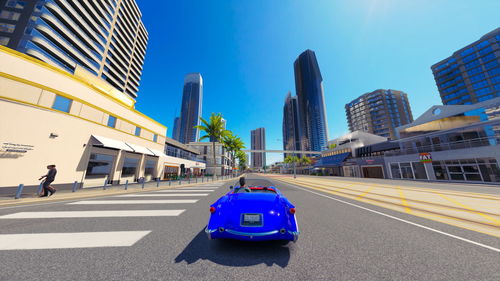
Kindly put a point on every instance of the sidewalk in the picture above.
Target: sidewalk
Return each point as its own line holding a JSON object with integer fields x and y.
{"x": 67, "y": 194}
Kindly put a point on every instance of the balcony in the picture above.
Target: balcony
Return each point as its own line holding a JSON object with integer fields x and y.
{"x": 463, "y": 144}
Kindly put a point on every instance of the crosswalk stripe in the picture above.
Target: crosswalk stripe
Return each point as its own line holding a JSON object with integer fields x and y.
{"x": 198, "y": 188}
{"x": 93, "y": 214}
{"x": 163, "y": 195}
{"x": 34, "y": 241}
{"x": 118, "y": 202}
{"x": 183, "y": 190}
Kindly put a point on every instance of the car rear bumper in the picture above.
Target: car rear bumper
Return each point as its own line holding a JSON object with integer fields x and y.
{"x": 252, "y": 236}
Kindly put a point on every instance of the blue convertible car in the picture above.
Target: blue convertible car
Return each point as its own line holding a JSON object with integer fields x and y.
{"x": 254, "y": 213}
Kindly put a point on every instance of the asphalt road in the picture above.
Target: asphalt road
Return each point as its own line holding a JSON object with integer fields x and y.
{"x": 339, "y": 241}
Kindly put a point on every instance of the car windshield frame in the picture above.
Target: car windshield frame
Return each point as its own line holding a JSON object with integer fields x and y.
{"x": 255, "y": 189}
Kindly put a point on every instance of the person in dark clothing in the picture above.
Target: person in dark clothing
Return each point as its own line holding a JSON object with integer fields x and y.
{"x": 49, "y": 178}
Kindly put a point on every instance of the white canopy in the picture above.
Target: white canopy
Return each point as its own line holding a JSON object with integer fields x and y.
{"x": 140, "y": 149}
{"x": 158, "y": 153}
{"x": 111, "y": 143}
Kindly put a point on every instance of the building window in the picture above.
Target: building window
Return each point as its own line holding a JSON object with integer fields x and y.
{"x": 4, "y": 40}
{"x": 138, "y": 131}
{"x": 396, "y": 174}
{"x": 112, "y": 121}
{"x": 129, "y": 167}
{"x": 9, "y": 15}
{"x": 6, "y": 27}
{"x": 99, "y": 164}
{"x": 155, "y": 138}
{"x": 15, "y": 4}
{"x": 149, "y": 169}
{"x": 62, "y": 104}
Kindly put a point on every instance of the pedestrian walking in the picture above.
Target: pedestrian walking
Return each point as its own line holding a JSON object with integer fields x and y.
{"x": 48, "y": 190}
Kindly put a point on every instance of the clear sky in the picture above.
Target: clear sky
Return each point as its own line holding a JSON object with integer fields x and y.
{"x": 245, "y": 52}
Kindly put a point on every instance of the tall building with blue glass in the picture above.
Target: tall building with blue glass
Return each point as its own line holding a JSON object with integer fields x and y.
{"x": 471, "y": 74}
{"x": 311, "y": 102}
{"x": 177, "y": 128}
{"x": 291, "y": 129}
{"x": 106, "y": 38}
{"x": 192, "y": 97}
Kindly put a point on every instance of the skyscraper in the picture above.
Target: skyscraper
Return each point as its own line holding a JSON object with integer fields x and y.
{"x": 311, "y": 102}
{"x": 192, "y": 97}
{"x": 258, "y": 142}
{"x": 177, "y": 128}
{"x": 471, "y": 74}
{"x": 379, "y": 112}
{"x": 106, "y": 38}
{"x": 291, "y": 130}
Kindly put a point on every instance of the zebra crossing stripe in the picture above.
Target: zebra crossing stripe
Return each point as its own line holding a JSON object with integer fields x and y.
{"x": 183, "y": 190}
{"x": 93, "y": 214}
{"x": 33, "y": 241}
{"x": 118, "y": 202}
{"x": 163, "y": 195}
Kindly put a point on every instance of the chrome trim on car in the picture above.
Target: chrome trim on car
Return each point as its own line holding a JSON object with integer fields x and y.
{"x": 209, "y": 232}
{"x": 252, "y": 233}
{"x": 295, "y": 235}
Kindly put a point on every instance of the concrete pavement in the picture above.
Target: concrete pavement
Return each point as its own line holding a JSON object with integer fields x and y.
{"x": 339, "y": 241}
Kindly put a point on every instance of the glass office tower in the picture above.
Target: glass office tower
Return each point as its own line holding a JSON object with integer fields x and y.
{"x": 379, "y": 112}
{"x": 107, "y": 37}
{"x": 311, "y": 102}
{"x": 192, "y": 97}
{"x": 471, "y": 74}
{"x": 177, "y": 128}
{"x": 291, "y": 133}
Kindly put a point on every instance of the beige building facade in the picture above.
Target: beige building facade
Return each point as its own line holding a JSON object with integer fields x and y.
{"x": 91, "y": 133}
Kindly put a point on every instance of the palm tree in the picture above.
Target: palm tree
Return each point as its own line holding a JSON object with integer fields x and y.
{"x": 214, "y": 129}
{"x": 292, "y": 159}
{"x": 242, "y": 159}
{"x": 305, "y": 161}
{"x": 233, "y": 144}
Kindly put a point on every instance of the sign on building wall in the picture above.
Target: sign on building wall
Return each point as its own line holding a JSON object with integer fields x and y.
{"x": 425, "y": 157}
{"x": 16, "y": 147}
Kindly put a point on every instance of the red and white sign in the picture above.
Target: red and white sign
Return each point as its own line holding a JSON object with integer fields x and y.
{"x": 425, "y": 157}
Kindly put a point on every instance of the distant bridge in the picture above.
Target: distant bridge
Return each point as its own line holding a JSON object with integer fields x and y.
{"x": 283, "y": 151}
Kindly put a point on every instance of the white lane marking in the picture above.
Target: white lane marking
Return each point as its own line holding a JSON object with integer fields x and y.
{"x": 93, "y": 214}
{"x": 184, "y": 190}
{"x": 34, "y": 241}
{"x": 403, "y": 220}
{"x": 163, "y": 195}
{"x": 198, "y": 188}
{"x": 118, "y": 202}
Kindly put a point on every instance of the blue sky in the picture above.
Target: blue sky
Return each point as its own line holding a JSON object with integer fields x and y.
{"x": 245, "y": 52}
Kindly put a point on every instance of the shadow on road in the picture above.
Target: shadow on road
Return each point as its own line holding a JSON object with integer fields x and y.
{"x": 235, "y": 253}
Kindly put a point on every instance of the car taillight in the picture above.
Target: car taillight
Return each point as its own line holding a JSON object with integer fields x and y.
{"x": 292, "y": 211}
{"x": 212, "y": 209}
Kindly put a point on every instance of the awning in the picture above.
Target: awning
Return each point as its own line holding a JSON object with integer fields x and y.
{"x": 157, "y": 153}
{"x": 140, "y": 149}
{"x": 110, "y": 143}
{"x": 331, "y": 161}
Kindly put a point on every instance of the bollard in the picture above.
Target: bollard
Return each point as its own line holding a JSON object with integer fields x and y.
{"x": 126, "y": 184}
{"x": 81, "y": 184}
{"x": 202, "y": 178}
{"x": 143, "y": 180}
{"x": 158, "y": 182}
{"x": 189, "y": 180}
{"x": 73, "y": 189}
{"x": 169, "y": 182}
{"x": 179, "y": 181}
{"x": 19, "y": 191}
{"x": 105, "y": 183}
{"x": 196, "y": 179}
{"x": 39, "y": 189}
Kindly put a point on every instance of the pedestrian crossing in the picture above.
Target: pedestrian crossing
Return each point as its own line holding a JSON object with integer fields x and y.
{"x": 112, "y": 207}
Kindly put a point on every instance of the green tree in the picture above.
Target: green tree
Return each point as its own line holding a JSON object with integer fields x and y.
{"x": 305, "y": 161}
{"x": 213, "y": 128}
{"x": 292, "y": 159}
{"x": 242, "y": 160}
{"x": 233, "y": 144}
